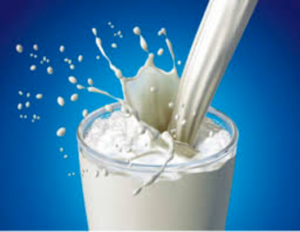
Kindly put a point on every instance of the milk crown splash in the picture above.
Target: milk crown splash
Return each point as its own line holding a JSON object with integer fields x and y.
{"x": 150, "y": 88}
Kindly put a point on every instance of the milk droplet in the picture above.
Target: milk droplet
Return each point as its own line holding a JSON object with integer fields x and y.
{"x": 160, "y": 51}
{"x": 28, "y": 95}
{"x": 121, "y": 36}
{"x": 31, "y": 54}
{"x": 183, "y": 122}
{"x": 171, "y": 104}
{"x": 72, "y": 80}
{"x": 109, "y": 23}
{"x": 32, "y": 67}
{"x": 61, "y": 48}
{"x": 50, "y": 70}
{"x": 21, "y": 116}
{"x": 20, "y": 93}
{"x": 94, "y": 30}
{"x": 69, "y": 61}
{"x": 176, "y": 117}
{"x": 69, "y": 174}
{"x": 80, "y": 58}
{"x": 90, "y": 81}
{"x": 47, "y": 60}
{"x": 74, "y": 97}
{"x": 60, "y": 101}
{"x": 114, "y": 45}
{"x": 35, "y": 56}
{"x": 27, "y": 104}
{"x": 112, "y": 26}
{"x": 84, "y": 113}
{"x": 38, "y": 117}
{"x": 137, "y": 31}
{"x": 41, "y": 62}
{"x": 80, "y": 87}
{"x": 19, "y": 48}
{"x": 119, "y": 32}
{"x": 98, "y": 57}
{"x": 109, "y": 108}
{"x": 34, "y": 116}
{"x": 25, "y": 116}
{"x": 72, "y": 66}
{"x": 20, "y": 106}
{"x": 66, "y": 60}
{"x": 115, "y": 34}
{"x": 35, "y": 47}
{"x": 44, "y": 58}
{"x": 162, "y": 32}
{"x": 61, "y": 132}
{"x": 61, "y": 149}
{"x": 39, "y": 96}
{"x": 65, "y": 156}
{"x": 179, "y": 62}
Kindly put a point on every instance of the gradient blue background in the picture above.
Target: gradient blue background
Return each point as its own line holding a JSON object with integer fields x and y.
{"x": 260, "y": 92}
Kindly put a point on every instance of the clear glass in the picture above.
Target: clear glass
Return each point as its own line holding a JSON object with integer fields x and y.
{"x": 198, "y": 200}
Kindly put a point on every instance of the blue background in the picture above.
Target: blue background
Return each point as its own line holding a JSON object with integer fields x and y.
{"x": 260, "y": 92}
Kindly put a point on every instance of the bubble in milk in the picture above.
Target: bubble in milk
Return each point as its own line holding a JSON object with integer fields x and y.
{"x": 32, "y": 68}
{"x": 27, "y": 104}
{"x": 61, "y": 132}
{"x": 72, "y": 80}
{"x": 109, "y": 108}
{"x": 72, "y": 66}
{"x": 39, "y": 96}
{"x": 50, "y": 70}
{"x": 74, "y": 97}
{"x": 114, "y": 45}
{"x": 20, "y": 93}
{"x": 19, "y": 48}
{"x": 84, "y": 113}
{"x": 153, "y": 89}
{"x": 20, "y": 106}
{"x": 160, "y": 52}
{"x": 179, "y": 62}
{"x": 61, "y": 101}
{"x": 35, "y": 47}
{"x": 62, "y": 48}
{"x": 90, "y": 81}
{"x": 80, "y": 58}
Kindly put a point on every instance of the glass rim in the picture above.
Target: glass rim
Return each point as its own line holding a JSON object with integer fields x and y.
{"x": 202, "y": 162}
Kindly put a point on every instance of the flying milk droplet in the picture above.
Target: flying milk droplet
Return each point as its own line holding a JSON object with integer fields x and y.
{"x": 74, "y": 97}
{"x": 60, "y": 101}
{"x": 19, "y": 48}
{"x": 50, "y": 70}
{"x": 61, "y": 132}
{"x": 72, "y": 80}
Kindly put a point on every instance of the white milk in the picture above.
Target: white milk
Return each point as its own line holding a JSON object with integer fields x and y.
{"x": 183, "y": 199}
